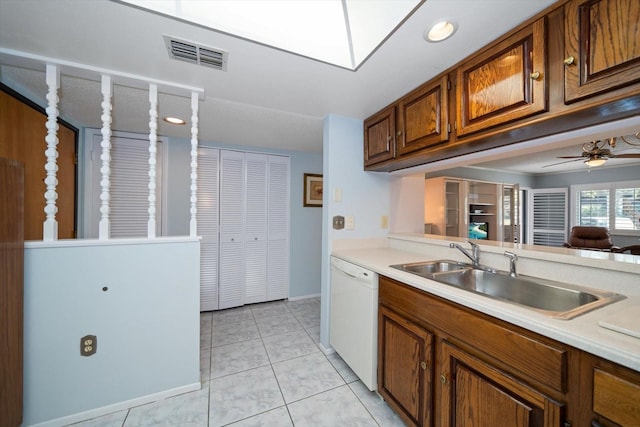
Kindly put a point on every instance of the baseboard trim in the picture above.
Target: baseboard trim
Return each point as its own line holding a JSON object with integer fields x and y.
{"x": 303, "y": 297}
{"x": 126, "y": 404}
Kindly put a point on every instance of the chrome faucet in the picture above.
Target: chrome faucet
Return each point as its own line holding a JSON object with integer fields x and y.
{"x": 512, "y": 263}
{"x": 474, "y": 256}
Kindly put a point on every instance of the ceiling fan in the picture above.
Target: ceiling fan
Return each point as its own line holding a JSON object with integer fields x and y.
{"x": 595, "y": 153}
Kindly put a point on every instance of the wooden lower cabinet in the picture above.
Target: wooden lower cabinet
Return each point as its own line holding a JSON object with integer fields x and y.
{"x": 405, "y": 367}
{"x": 474, "y": 393}
{"x": 442, "y": 364}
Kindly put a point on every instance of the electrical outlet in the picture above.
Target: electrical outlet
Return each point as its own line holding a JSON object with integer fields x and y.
{"x": 338, "y": 222}
{"x": 384, "y": 221}
{"x": 88, "y": 345}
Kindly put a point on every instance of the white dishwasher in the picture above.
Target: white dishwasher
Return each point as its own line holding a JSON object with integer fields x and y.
{"x": 354, "y": 318}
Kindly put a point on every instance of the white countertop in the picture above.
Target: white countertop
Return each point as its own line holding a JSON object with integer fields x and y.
{"x": 582, "y": 332}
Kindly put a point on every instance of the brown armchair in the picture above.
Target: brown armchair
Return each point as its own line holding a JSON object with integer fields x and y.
{"x": 591, "y": 238}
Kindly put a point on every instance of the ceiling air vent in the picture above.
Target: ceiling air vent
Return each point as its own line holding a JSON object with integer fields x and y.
{"x": 206, "y": 56}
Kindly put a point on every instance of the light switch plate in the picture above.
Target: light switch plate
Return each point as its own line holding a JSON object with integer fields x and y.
{"x": 349, "y": 223}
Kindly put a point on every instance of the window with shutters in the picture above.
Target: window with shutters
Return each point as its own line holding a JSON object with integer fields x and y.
{"x": 613, "y": 205}
{"x": 548, "y": 212}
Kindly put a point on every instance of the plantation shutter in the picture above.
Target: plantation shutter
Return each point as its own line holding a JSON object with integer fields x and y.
{"x": 549, "y": 217}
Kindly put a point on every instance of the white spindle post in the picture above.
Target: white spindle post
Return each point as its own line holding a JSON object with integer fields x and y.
{"x": 105, "y": 170}
{"x": 50, "y": 226}
{"x": 193, "y": 227}
{"x": 153, "y": 149}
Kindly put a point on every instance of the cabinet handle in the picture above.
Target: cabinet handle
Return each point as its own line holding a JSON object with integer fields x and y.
{"x": 232, "y": 239}
{"x": 594, "y": 423}
{"x": 443, "y": 379}
{"x": 255, "y": 238}
{"x": 535, "y": 76}
{"x": 570, "y": 60}
{"x": 399, "y": 133}
{"x": 423, "y": 365}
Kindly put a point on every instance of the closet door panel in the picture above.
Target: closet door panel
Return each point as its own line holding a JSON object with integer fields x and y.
{"x": 278, "y": 228}
{"x": 256, "y": 228}
{"x": 231, "y": 275}
{"x": 207, "y": 217}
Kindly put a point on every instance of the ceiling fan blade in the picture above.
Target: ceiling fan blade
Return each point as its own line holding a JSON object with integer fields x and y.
{"x": 571, "y": 157}
{"x": 559, "y": 163}
{"x": 625, "y": 156}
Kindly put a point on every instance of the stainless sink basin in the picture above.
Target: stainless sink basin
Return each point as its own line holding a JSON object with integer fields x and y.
{"x": 559, "y": 300}
{"x": 428, "y": 268}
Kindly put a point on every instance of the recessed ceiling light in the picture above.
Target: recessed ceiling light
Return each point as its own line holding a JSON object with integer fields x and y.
{"x": 440, "y": 31}
{"x": 174, "y": 120}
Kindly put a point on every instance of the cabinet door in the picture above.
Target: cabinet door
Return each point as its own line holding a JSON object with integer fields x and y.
{"x": 506, "y": 82}
{"x": 602, "y": 46}
{"x": 404, "y": 367}
{"x": 232, "y": 229}
{"x": 379, "y": 137}
{"x": 256, "y": 228}
{"x": 476, "y": 394}
{"x": 423, "y": 117}
{"x": 617, "y": 398}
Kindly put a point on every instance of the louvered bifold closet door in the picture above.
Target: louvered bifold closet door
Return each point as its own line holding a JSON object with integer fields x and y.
{"x": 232, "y": 229}
{"x": 256, "y": 229}
{"x": 129, "y": 186}
{"x": 207, "y": 218}
{"x": 549, "y": 217}
{"x": 278, "y": 228}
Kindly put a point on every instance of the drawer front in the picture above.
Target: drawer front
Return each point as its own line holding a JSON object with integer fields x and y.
{"x": 616, "y": 398}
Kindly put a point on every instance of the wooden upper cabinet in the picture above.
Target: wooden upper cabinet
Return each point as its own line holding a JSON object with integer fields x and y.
{"x": 504, "y": 83}
{"x": 602, "y": 46}
{"x": 379, "y": 136}
{"x": 423, "y": 117}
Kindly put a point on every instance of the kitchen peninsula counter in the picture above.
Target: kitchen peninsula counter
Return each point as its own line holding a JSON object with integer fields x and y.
{"x": 617, "y": 273}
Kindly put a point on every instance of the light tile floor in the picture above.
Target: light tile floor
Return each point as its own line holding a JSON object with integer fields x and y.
{"x": 260, "y": 365}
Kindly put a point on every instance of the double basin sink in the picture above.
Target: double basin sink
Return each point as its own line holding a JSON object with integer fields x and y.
{"x": 555, "y": 299}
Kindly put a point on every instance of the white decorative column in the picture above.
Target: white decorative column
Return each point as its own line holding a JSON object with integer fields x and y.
{"x": 153, "y": 150}
{"x": 105, "y": 157}
{"x": 193, "y": 226}
{"x": 50, "y": 226}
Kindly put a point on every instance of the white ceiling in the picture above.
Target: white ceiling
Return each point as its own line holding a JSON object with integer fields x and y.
{"x": 267, "y": 97}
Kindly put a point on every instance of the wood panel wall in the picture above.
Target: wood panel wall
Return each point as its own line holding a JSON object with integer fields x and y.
{"x": 22, "y": 138}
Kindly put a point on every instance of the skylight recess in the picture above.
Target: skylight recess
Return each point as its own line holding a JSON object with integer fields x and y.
{"x": 338, "y": 32}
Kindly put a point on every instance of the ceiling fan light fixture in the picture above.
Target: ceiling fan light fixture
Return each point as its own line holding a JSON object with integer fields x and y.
{"x": 595, "y": 162}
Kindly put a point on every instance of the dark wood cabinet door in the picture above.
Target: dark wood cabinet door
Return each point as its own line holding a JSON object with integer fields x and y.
{"x": 404, "y": 367}
{"x": 602, "y": 46}
{"x": 379, "y": 137}
{"x": 11, "y": 290}
{"x": 423, "y": 116}
{"x": 504, "y": 83}
{"x": 476, "y": 394}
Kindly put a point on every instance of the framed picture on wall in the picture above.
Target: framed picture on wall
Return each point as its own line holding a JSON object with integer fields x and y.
{"x": 312, "y": 190}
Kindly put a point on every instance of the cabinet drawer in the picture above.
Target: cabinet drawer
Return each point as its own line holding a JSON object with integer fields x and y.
{"x": 616, "y": 398}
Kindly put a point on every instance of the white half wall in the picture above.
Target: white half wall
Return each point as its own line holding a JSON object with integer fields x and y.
{"x": 140, "y": 298}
